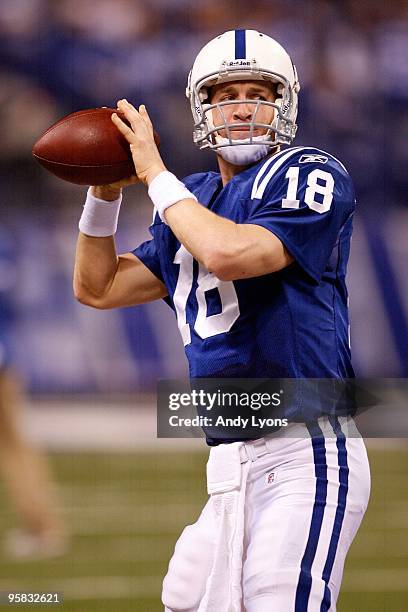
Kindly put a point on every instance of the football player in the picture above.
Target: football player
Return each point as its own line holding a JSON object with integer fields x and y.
{"x": 252, "y": 259}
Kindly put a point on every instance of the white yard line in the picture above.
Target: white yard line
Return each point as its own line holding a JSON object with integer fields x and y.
{"x": 93, "y": 427}
{"x": 125, "y": 426}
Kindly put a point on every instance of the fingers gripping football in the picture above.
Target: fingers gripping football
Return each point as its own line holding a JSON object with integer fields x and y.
{"x": 140, "y": 136}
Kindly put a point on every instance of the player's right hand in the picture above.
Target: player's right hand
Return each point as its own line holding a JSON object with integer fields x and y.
{"x": 141, "y": 138}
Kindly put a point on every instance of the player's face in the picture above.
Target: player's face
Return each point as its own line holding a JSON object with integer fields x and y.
{"x": 245, "y": 111}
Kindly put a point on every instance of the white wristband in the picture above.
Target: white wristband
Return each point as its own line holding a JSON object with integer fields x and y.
{"x": 166, "y": 190}
{"x": 99, "y": 217}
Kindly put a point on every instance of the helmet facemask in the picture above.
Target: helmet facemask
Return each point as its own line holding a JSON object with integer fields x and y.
{"x": 243, "y": 55}
{"x": 281, "y": 130}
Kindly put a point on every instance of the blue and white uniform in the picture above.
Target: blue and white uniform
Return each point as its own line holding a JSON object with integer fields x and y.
{"x": 292, "y": 323}
{"x": 304, "y": 491}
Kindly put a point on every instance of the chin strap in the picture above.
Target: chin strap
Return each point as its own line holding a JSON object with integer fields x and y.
{"x": 241, "y": 153}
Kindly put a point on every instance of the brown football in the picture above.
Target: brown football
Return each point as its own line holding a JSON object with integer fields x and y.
{"x": 86, "y": 148}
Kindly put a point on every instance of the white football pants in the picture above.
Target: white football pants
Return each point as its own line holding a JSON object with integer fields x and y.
{"x": 305, "y": 498}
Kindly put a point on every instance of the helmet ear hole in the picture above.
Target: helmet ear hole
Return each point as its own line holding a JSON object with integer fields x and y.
{"x": 204, "y": 94}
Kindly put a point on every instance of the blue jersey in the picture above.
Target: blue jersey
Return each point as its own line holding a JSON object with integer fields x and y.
{"x": 288, "y": 324}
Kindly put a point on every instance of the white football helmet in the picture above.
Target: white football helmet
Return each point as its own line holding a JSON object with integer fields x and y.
{"x": 243, "y": 55}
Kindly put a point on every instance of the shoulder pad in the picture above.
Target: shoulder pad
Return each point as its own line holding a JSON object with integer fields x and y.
{"x": 295, "y": 156}
{"x": 198, "y": 178}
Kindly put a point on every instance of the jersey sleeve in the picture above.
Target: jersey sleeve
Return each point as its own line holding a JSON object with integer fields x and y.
{"x": 305, "y": 203}
{"x": 148, "y": 255}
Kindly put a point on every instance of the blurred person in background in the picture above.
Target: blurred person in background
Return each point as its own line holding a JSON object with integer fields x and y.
{"x": 24, "y": 469}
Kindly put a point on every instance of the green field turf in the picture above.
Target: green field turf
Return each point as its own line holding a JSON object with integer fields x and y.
{"x": 126, "y": 511}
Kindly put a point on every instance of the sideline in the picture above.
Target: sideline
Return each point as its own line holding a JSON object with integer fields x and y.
{"x": 92, "y": 424}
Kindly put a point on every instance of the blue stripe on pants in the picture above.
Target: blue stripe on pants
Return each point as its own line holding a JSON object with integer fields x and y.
{"x": 341, "y": 508}
{"x": 305, "y": 579}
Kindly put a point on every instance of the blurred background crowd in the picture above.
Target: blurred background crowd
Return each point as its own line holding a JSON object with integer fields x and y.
{"x": 59, "y": 57}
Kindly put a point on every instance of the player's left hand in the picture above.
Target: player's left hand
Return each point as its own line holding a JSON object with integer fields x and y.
{"x": 146, "y": 157}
